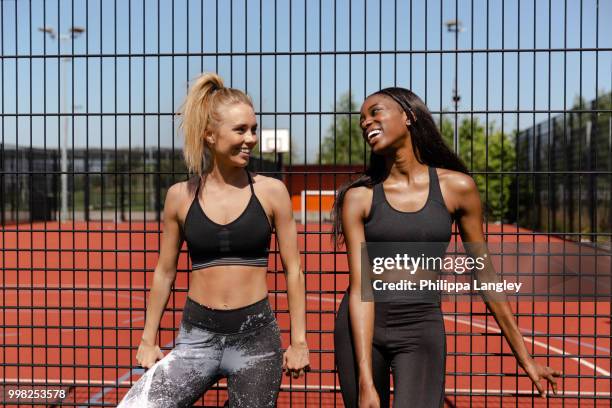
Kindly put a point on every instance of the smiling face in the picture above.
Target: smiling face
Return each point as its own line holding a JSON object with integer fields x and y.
{"x": 384, "y": 123}
{"x": 234, "y": 135}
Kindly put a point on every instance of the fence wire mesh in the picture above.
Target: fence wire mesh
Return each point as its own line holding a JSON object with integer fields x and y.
{"x": 521, "y": 89}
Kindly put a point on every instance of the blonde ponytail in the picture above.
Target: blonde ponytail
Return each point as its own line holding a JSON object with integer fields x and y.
{"x": 199, "y": 114}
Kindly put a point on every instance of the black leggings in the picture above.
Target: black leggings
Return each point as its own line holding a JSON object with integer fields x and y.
{"x": 242, "y": 345}
{"x": 409, "y": 340}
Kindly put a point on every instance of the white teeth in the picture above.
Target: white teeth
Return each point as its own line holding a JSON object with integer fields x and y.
{"x": 374, "y": 133}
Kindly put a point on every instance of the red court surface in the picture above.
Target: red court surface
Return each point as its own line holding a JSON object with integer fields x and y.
{"x": 73, "y": 303}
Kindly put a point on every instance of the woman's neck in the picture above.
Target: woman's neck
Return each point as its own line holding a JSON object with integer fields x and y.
{"x": 222, "y": 175}
{"x": 403, "y": 164}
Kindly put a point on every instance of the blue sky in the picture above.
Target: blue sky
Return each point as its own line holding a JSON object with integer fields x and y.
{"x": 324, "y": 48}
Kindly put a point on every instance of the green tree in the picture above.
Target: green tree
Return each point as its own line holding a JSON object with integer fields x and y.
{"x": 343, "y": 143}
{"x": 486, "y": 152}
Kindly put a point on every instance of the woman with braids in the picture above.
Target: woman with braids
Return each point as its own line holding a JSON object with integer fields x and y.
{"x": 413, "y": 190}
{"x": 226, "y": 215}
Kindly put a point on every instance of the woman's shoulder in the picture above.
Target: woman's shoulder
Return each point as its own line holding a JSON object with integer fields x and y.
{"x": 456, "y": 181}
{"x": 358, "y": 199}
{"x": 459, "y": 190}
{"x": 178, "y": 192}
{"x": 177, "y": 196}
{"x": 268, "y": 185}
{"x": 358, "y": 193}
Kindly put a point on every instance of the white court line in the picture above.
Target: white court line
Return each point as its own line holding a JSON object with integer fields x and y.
{"x": 136, "y": 297}
{"x": 490, "y": 328}
{"x": 58, "y": 309}
{"x": 109, "y": 384}
{"x": 568, "y": 339}
{"x": 537, "y": 343}
{"x": 528, "y": 338}
{"x": 465, "y": 390}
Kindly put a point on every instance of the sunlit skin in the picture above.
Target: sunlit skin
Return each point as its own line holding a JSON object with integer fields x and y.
{"x": 379, "y": 112}
{"x": 223, "y": 197}
{"x": 406, "y": 189}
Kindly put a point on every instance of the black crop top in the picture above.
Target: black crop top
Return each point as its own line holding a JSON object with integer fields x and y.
{"x": 429, "y": 229}
{"x": 243, "y": 241}
{"x": 422, "y": 233}
{"x": 432, "y": 223}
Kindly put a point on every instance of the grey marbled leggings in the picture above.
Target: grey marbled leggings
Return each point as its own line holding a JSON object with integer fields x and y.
{"x": 242, "y": 345}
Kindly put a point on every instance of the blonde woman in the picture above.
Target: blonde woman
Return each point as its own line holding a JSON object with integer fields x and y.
{"x": 226, "y": 215}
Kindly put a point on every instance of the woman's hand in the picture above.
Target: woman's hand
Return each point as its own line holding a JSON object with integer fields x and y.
{"x": 148, "y": 354}
{"x": 538, "y": 372}
{"x": 296, "y": 360}
{"x": 368, "y": 397}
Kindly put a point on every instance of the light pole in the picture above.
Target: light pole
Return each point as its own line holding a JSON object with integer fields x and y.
{"x": 455, "y": 26}
{"x": 73, "y": 32}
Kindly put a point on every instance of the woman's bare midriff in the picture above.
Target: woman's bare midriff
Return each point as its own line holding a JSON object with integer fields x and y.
{"x": 228, "y": 286}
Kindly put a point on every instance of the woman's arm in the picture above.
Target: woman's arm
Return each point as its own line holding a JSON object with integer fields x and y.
{"x": 361, "y": 313}
{"x": 296, "y": 357}
{"x": 469, "y": 219}
{"x": 165, "y": 272}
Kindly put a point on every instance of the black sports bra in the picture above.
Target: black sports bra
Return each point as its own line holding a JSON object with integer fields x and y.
{"x": 422, "y": 233}
{"x": 432, "y": 223}
{"x": 243, "y": 241}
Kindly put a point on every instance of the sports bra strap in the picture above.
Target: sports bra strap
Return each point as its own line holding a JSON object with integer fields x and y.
{"x": 250, "y": 181}
{"x": 377, "y": 194}
{"x": 197, "y": 192}
{"x": 435, "y": 192}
